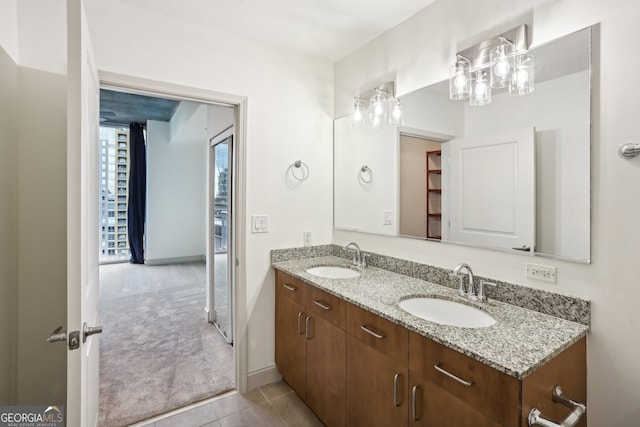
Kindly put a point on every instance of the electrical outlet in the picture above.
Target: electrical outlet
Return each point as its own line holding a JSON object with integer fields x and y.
{"x": 306, "y": 238}
{"x": 387, "y": 218}
{"x": 546, "y": 273}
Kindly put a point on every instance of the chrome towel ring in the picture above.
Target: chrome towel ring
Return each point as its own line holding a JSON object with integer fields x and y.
{"x": 366, "y": 174}
{"x": 304, "y": 170}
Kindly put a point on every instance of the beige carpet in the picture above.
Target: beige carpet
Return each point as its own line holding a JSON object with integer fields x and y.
{"x": 157, "y": 351}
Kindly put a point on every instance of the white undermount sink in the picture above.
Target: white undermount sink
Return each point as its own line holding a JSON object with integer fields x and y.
{"x": 333, "y": 272}
{"x": 447, "y": 312}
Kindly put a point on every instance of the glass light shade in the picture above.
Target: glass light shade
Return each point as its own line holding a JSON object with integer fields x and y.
{"x": 396, "y": 113}
{"x": 378, "y": 106}
{"x": 357, "y": 115}
{"x": 377, "y": 123}
{"x": 501, "y": 60}
{"x": 522, "y": 78}
{"x": 480, "y": 89}
{"x": 460, "y": 80}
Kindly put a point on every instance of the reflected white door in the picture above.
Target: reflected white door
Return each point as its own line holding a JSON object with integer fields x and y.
{"x": 220, "y": 253}
{"x": 82, "y": 220}
{"x": 492, "y": 190}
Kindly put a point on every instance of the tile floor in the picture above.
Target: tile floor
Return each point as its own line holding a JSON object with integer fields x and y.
{"x": 273, "y": 405}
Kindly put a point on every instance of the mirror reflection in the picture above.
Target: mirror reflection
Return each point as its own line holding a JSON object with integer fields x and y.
{"x": 511, "y": 175}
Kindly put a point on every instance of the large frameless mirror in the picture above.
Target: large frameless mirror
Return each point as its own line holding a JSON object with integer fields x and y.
{"x": 512, "y": 175}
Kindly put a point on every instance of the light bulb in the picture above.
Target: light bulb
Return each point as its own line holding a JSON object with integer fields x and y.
{"x": 481, "y": 89}
{"x": 522, "y": 77}
{"x": 460, "y": 82}
{"x": 502, "y": 68}
{"x": 378, "y": 109}
{"x": 357, "y": 116}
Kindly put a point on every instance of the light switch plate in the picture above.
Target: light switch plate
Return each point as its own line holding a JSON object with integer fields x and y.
{"x": 260, "y": 223}
{"x": 306, "y": 238}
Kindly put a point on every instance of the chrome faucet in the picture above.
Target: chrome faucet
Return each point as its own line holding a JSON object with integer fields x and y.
{"x": 470, "y": 291}
{"x": 359, "y": 259}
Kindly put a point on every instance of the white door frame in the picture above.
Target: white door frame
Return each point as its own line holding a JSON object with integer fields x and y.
{"x": 142, "y": 86}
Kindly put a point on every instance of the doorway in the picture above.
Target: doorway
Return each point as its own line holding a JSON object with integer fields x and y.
{"x": 163, "y": 264}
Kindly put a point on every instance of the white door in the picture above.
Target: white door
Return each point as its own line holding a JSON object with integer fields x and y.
{"x": 492, "y": 190}
{"x": 82, "y": 221}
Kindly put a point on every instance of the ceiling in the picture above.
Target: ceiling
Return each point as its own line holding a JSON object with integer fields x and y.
{"x": 120, "y": 109}
{"x": 326, "y": 29}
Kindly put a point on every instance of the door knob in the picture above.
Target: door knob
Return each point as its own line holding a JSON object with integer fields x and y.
{"x": 57, "y": 335}
{"x": 90, "y": 330}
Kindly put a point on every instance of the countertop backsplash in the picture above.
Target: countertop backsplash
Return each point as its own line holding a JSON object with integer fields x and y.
{"x": 563, "y": 306}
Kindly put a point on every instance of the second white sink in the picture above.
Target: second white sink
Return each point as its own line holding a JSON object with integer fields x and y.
{"x": 334, "y": 272}
{"x": 447, "y": 312}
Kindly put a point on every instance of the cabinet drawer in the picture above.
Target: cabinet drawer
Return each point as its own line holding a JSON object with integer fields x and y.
{"x": 290, "y": 287}
{"x": 326, "y": 306}
{"x": 381, "y": 334}
{"x": 493, "y": 393}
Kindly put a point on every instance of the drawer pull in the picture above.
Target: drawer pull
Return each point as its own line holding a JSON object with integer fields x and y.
{"x": 535, "y": 416}
{"x": 396, "y": 377}
{"x": 306, "y": 327}
{"x": 414, "y": 402}
{"x": 300, "y": 331}
{"x": 289, "y": 287}
{"x": 453, "y": 377}
{"x": 322, "y": 305}
{"x": 369, "y": 331}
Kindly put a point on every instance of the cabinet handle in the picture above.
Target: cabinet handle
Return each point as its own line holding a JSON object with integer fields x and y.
{"x": 322, "y": 305}
{"x": 300, "y": 331}
{"x": 414, "y": 402}
{"x": 306, "y": 326}
{"x": 396, "y": 377}
{"x": 289, "y": 287}
{"x": 369, "y": 331}
{"x": 536, "y": 419}
{"x": 453, "y": 377}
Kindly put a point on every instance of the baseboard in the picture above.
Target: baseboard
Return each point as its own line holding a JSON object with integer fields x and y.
{"x": 176, "y": 260}
{"x": 262, "y": 377}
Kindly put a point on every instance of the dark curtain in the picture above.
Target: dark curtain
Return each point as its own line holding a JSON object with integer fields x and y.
{"x": 137, "y": 192}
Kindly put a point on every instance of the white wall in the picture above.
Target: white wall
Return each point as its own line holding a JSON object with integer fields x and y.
{"x": 9, "y": 28}
{"x": 8, "y": 225}
{"x": 419, "y": 53}
{"x": 189, "y": 123}
{"x": 289, "y": 118}
{"x": 176, "y": 198}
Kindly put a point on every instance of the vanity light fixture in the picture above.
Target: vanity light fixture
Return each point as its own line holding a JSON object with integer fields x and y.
{"x": 378, "y": 107}
{"x": 499, "y": 62}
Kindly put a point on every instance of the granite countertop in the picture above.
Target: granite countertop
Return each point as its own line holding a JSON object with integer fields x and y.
{"x": 518, "y": 343}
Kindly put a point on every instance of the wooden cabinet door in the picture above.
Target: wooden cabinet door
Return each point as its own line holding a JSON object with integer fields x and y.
{"x": 376, "y": 387}
{"x": 431, "y": 406}
{"x": 326, "y": 371}
{"x": 291, "y": 349}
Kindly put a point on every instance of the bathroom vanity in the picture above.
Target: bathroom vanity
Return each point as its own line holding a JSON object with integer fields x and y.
{"x": 357, "y": 359}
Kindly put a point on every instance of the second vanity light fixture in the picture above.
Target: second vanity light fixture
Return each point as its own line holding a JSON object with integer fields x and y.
{"x": 500, "y": 62}
{"x": 377, "y": 107}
